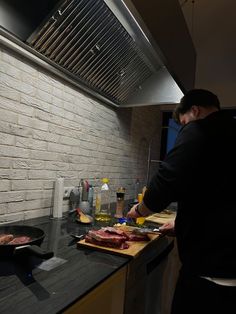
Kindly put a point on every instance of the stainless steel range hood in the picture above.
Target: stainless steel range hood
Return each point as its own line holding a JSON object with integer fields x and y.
{"x": 123, "y": 52}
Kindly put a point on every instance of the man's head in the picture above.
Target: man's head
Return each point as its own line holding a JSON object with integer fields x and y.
{"x": 196, "y": 104}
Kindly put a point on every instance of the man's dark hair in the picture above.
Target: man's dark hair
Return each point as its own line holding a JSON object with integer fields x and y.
{"x": 196, "y": 97}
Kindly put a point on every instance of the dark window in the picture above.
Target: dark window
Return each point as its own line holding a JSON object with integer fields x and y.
{"x": 170, "y": 130}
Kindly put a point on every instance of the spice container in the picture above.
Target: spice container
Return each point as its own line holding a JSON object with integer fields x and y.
{"x": 120, "y": 202}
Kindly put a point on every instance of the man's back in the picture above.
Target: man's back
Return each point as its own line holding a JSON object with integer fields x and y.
{"x": 205, "y": 223}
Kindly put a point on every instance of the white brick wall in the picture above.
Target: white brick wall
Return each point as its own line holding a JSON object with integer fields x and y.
{"x": 49, "y": 129}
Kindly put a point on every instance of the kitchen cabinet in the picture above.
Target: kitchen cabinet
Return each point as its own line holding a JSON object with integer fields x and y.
{"x": 169, "y": 279}
{"x": 108, "y": 296}
{"x": 144, "y": 286}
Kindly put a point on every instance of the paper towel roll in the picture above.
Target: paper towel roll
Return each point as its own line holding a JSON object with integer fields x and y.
{"x": 58, "y": 198}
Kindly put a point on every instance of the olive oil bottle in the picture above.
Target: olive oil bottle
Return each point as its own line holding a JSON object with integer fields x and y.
{"x": 102, "y": 205}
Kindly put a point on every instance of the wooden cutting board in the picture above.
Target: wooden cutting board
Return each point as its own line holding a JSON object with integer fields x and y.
{"x": 161, "y": 218}
{"x": 134, "y": 247}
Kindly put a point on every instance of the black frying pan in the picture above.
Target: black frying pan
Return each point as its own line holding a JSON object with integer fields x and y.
{"x": 31, "y": 247}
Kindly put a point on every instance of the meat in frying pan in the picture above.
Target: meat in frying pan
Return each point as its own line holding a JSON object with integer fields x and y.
{"x": 5, "y": 238}
{"x": 10, "y": 239}
{"x": 20, "y": 240}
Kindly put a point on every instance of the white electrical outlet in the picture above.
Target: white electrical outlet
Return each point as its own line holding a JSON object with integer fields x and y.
{"x": 67, "y": 191}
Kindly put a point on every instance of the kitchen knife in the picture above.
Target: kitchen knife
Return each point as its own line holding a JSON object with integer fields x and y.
{"x": 146, "y": 230}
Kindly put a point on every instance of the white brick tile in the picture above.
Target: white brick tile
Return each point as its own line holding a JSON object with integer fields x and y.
{"x": 69, "y": 116}
{"x": 58, "y": 112}
{"x": 18, "y": 174}
{"x": 33, "y": 102}
{"x": 57, "y": 92}
{"x": 5, "y": 162}
{"x": 71, "y": 175}
{"x": 14, "y": 129}
{"x": 4, "y": 185}
{"x": 47, "y": 79}
{"x": 8, "y": 58}
{"x": 12, "y": 151}
{"x": 29, "y": 79}
{"x": 26, "y": 68}
{"x": 3, "y": 210}
{"x": 45, "y": 116}
{"x": 78, "y": 125}
{"x": 79, "y": 151}
{"x": 57, "y": 102}
{"x": 41, "y": 174}
{"x": 78, "y": 166}
{"x": 7, "y": 139}
{"x": 37, "y": 155}
{"x": 68, "y": 96}
{"x": 46, "y": 136}
{"x": 19, "y": 185}
{"x": 15, "y": 106}
{"x": 48, "y": 184}
{"x": 9, "y": 93}
{"x": 65, "y": 130}
{"x": 13, "y": 196}
{"x": 44, "y": 86}
{"x": 30, "y": 143}
{"x": 66, "y": 140}
{"x": 53, "y": 147}
{"x": 10, "y": 82}
{"x": 5, "y": 174}
{"x": 28, "y": 205}
{"x": 37, "y": 213}
{"x": 10, "y": 70}
{"x": 12, "y": 217}
{"x": 27, "y": 164}
{"x": 68, "y": 106}
{"x": 43, "y": 96}
{"x": 8, "y": 116}
{"x": 33, "y": 123}
{"x": 40, "y": 194}
{"x": 55, "y": 165}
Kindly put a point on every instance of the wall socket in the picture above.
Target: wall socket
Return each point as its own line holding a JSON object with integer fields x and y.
{"x": 67, "y": 191}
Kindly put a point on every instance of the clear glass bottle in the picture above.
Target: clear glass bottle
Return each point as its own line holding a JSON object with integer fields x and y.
{"x": 102, "y": 206}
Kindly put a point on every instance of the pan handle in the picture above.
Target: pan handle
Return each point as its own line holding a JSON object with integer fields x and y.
{"x": 33, "y": 250}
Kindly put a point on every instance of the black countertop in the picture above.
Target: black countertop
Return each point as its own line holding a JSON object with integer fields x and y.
{"x": 27, "y": 288}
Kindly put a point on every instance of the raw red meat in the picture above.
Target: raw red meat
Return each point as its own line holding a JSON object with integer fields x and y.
{"x": 101, "y": 235}
{"x": 113, "y": 230}
{"x": 116, "y": 245}
{"x": 113, "y": 237}
{"x": 137, "y": 237}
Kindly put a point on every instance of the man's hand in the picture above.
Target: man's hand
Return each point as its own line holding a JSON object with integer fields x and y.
{"x": 168, "y": 228}
{"x": 133, "y": 213}
{"x": 139, "y": 210}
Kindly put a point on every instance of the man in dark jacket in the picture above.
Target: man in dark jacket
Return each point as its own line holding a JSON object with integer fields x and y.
{"x": 199, "y": 173}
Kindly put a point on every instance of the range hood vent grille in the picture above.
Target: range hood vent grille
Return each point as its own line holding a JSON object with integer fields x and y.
{"x": 86, "y": 39}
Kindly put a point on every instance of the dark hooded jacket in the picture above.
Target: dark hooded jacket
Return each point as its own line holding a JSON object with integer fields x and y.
{"x": 200, "y": 174}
